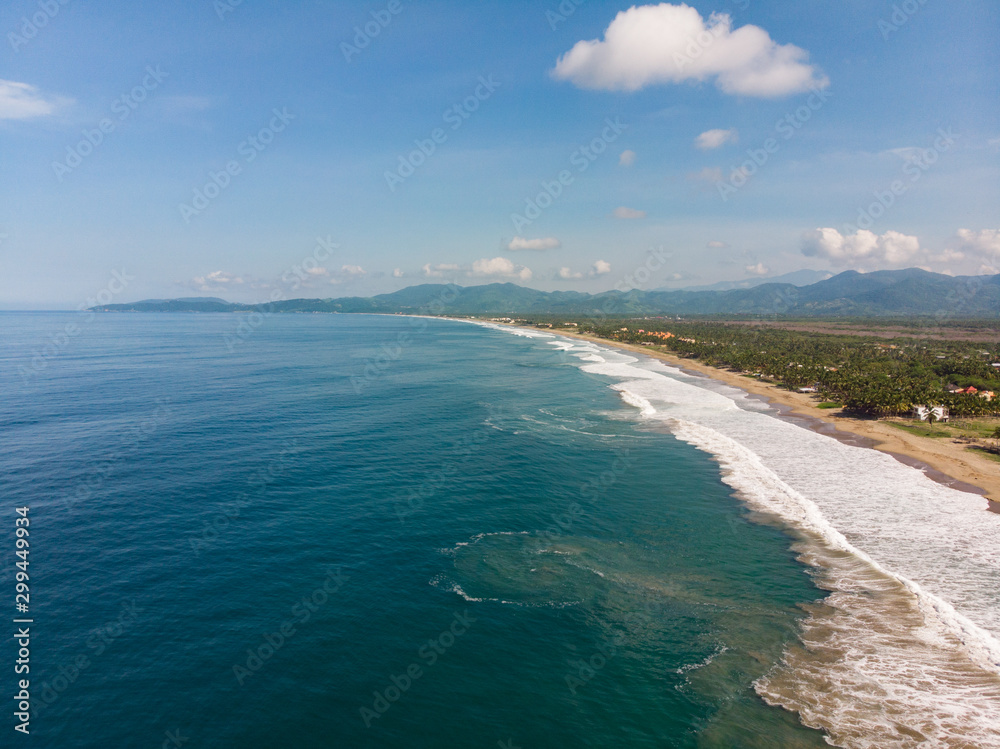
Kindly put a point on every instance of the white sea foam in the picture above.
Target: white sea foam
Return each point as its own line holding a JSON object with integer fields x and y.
{"x": 906, "y": 649}
{"x": 644, "y": 406}
{"x": 520, "y": 332}
{"x": 719, "y": 650}
{"x": 451, "y": 586}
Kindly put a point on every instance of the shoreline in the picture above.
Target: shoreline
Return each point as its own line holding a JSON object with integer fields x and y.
{"x": 941, "y": 460}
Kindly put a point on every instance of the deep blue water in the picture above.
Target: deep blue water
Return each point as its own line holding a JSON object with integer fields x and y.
{"x": 552, "y": 572}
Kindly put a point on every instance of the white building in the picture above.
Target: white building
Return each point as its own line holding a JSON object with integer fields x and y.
{"x": 923, "y": 413}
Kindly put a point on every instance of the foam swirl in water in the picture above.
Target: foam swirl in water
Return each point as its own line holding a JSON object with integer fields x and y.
{"x": 905, "y": 651}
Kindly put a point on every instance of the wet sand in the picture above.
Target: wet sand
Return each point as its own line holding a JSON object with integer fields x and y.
{"x": 943, "y": 460}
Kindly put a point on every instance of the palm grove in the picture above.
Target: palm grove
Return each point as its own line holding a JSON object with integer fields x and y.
{"x": 876, "y": 377}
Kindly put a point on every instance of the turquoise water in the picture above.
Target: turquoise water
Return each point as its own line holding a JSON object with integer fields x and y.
{"x": 467, "y": 539}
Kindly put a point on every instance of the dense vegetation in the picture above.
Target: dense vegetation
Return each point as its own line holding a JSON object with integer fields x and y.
{"x": 878, "y": 377}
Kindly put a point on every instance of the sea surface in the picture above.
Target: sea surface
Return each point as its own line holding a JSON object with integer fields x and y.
{"x": 374, "y": 531}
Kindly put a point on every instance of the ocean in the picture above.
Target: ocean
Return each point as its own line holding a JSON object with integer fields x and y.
{"x": 379, "y": 531}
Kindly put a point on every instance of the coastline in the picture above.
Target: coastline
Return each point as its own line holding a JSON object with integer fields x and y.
{"x": 942, "y": 460}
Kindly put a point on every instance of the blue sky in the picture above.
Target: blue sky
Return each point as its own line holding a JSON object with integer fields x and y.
{"x": 910, "y": 100}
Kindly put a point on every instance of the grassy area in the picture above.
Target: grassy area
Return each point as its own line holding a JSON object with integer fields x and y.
{"x": 828, "y": 405}
{"x": 981, "y": 428}
{"x": 921, "y": 430}
{"x": 977, "y": 429}
{"x": 992, "y": 456}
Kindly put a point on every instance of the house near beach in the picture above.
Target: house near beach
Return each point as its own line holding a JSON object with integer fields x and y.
{"x": 924, "y": 413}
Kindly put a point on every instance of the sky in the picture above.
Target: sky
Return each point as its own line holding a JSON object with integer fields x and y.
{"x": 256, "y": 150}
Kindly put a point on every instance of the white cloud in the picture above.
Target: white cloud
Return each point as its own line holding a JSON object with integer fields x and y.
{"x": 891, "y": 248}
{"x": 716, "y": 245}
{"x": 948, "y": 256}
{"x": 665, "y": 43}
{"x": 600, "y": 268}
{"x": 627, "y": 158}
{"x": 629, "y": 213}
{"x": 352, "y": 270}
{"x": 397, "y": 273}
{"x": 710, "y": 174}
{"x": 318, "y": 271}
{"x": 983, "y": 244}
{"x": 216, "y": 281}
{"x": 538, "y": 245}
{"x": 716, "y": 139}
{"x": 441, "y": 269}
{"x": 499, "y": 267}
{"x": 21, "y": 101}
{"x": 758, "y": 270}
{"x": 740, "y": 173}
{"x": 908, "y": 153}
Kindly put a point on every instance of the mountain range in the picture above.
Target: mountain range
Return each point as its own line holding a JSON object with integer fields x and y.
{"x": 802, "y": 277}
{"x": 895, "y": 293}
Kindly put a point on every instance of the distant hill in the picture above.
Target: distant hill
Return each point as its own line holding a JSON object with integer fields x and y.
{"x": 803, "y": 277}
{"x": 189, "y": 299}
{"x": 187, "y": 304}
{"x": 896, "y": 293}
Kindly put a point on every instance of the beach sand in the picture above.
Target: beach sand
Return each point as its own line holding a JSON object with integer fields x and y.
{"x": 944, "y": 460}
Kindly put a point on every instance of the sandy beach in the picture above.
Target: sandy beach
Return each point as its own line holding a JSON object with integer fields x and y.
{"x": 948, "y": 461}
